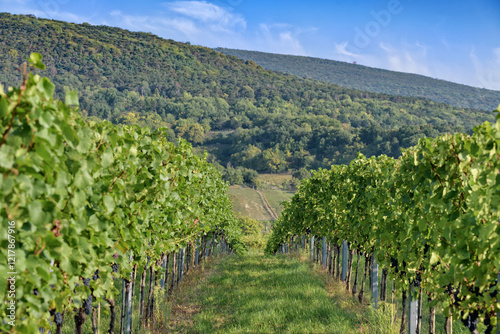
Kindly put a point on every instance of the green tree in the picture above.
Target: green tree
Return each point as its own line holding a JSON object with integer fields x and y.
{"x": 252, "y": 233}
{"x": 193, "y": 133}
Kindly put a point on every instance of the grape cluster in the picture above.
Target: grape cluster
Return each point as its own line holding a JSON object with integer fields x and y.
{"x": 36, "y": 292}
{"x": 115, "y": 267}
{"x": 86, "y": 281}
{"x": 493, "y": 293}
{"x": 417, "y": 281}
{"x": 426, "y": 248}
{"x": 88, "y": 305}
{"x": 489, "y": 326}
{"x": 58, "y": 318}
{"x": 394, "y": 264}
{"x": 96, "y": 276}
{"x": 471, "y": 321}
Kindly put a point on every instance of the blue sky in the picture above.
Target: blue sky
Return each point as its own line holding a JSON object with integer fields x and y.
{"x": 453, "y": 40}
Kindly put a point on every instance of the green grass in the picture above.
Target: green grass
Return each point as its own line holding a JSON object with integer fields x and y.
{"x": 274, "y": 180}
{"x": 162, "y": 310}
{"x": 264, "y": 294}
{"x": 248, "y": 203}
{"x": 458, "y": 327}
{"x": 274, "y": 294}
{"x": 275, "y": 197}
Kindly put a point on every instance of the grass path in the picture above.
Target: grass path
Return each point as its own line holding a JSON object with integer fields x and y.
{"x": 268, "y": 294}
{"x": 247, "y": 202}
{"x": 267, "y": 206}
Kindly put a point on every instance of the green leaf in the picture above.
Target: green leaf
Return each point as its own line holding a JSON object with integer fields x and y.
{"x": 43, "y": 152}
{"x": 79, "y": 199}
{"x": 109, "y": 203}
{"x": 4, "y": 110}
{"x": 85, "y": 136}
{"x": 63, "y": 180}
{"x": 6, "y": 157}
{"x": 107, "y": 158}
{"x": 43, "y": 273}
{"x": 82, "y": 179}
{"x": 46, "y": 87}
{"x": 422, "y": 225}
{"x": 36, "y": 213}
{"x": 122, "y": 246}
{"x": 36, "y": 60}
{"x": 71, "y": 98}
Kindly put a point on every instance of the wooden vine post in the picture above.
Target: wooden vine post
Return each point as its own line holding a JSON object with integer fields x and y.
{"x": 323, "y": 252}
{"x": 197, "y": 254}
{"x": 345, "y": 250}
{"x": 355, "y": 284}
{"x": 128, "y": 326}
{"x": 374, "y": 275}
{"x": 412, "y": 311}
{"x": 312, "y": 248}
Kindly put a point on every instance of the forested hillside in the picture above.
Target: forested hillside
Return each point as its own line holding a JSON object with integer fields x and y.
{"x": 373, "y": 79}
{"x": 244, "y": 115}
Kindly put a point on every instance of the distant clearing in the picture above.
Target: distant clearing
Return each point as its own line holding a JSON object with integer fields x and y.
{"x": 274, "y": 180}
{"x": 247, "y": 202}
{"x": 275, "y": 197}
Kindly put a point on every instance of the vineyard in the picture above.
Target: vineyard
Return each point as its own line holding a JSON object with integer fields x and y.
{"x": 429, "y": 220}
{"x": 87, "y": 207}
{"x": 99, "y": 216}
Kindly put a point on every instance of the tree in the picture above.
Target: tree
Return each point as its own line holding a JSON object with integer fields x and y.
{"x": 302, "y": 174}
{"x": 193, "y": 133}
{"x": 273, "y": 160}
{"x": 233, "y": 176}
{"x": 252, "y": 230}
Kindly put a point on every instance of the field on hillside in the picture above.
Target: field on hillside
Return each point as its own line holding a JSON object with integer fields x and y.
{"x": 274, "y": 180}
{"x": 275, "y": 197}
{"x": 247, "y": 202}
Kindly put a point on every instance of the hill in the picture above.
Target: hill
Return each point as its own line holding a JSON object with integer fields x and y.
{"x": 248, "y": 203}
{"x": 373, "y": 79}
{"x": 244, "y": 115}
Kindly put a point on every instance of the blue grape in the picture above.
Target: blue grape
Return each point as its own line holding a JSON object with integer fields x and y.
{"x": 58, "y": 319}
{"x": 96, "y": 276}
{"x": 88, "y": 305}
{"x": 86, "y": 281}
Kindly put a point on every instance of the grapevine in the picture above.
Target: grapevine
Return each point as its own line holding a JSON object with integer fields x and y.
{"x": 431, "y": 217}
{"x": 92, "y": 199}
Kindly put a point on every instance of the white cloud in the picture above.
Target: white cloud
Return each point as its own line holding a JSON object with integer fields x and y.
{"x": 17, "y": 2}
{"x": 497, "y": 54}
{"x": 486, "y": 72}
{"x": 280, "y": 38}
{"x": 158, "y": 25}
{"x": 342, "y": 49}
{"x": 207, "y": 13}
{"x": 445, "y": 44}
{"x": 43, "y": 9}
{"x": 406, "y": 58}
{"x": 188, "y": 21}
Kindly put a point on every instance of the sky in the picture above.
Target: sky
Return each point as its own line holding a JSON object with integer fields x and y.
{"x": 454, "y": 40}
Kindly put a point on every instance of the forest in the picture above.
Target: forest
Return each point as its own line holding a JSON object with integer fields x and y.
{"x": 248, "y": 118}
{"x": 357, "y": 76}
